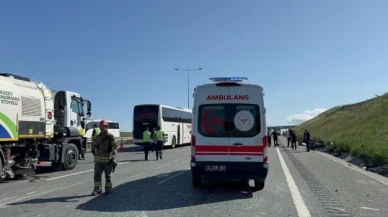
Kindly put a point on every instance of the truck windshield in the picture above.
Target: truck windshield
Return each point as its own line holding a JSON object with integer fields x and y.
{"x": 229, "y": 120}
{"x": 77, "y": 106}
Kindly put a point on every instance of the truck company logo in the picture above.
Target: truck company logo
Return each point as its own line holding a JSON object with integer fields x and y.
{"x": 6, "y": 97}
{"x": 228, "y": 97}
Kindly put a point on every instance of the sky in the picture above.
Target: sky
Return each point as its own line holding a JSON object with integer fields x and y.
{"x": 308, "y": 55}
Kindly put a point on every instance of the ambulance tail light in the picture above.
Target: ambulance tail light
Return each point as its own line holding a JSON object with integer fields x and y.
{"x": 265, "y": 155}
{"x": 193, "y": 143}
{"x": 265, "y": 141}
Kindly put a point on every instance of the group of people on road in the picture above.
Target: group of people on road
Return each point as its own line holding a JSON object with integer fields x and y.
{"x": 291, "y": 138}
{"x": 153, "y": 140}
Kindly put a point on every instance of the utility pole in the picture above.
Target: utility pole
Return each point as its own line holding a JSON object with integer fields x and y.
{"x": 188, "y": 83}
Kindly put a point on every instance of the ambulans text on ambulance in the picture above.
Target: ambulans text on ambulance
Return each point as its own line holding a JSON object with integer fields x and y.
{"x": 228, "y": 97}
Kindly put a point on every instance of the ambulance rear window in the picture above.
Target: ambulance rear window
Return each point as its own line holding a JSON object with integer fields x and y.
{"x": 229, "y": 120}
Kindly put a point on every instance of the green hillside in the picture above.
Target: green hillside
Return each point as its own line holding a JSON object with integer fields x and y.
{"x": 125, "y": 134}
{"x": 360, "y": 128}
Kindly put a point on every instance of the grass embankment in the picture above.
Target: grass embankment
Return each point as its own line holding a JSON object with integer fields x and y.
{"x": 360, "y": 129}
{"x": 126, "y": 134}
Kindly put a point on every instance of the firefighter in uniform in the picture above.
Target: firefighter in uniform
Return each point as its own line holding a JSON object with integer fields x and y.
{"x": 159, "y": 142}
{"x": 104, "y": 149}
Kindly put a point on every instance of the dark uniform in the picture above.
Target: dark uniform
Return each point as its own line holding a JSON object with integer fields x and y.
{"x": 104, "y": 148}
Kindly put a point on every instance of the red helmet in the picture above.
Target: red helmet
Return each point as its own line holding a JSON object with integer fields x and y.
{"x": 103, "y": 123}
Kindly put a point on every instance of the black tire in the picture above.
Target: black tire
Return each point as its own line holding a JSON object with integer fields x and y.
{"x": 1, "y": 167}
{"x": 71, "y": 157}
{"x": 259, "y": 185}
{"x": 173, "y": 144}
{"x": 196, "y": 182}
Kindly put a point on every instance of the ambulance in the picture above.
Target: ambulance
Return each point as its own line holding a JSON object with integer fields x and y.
{"x": 229, "y": 132}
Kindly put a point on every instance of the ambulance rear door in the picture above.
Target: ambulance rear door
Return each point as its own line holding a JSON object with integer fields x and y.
{"x": 246, "y": 129}
{"x": 212, "y": 140}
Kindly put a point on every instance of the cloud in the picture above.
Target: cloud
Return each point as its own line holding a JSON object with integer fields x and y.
{"x": 305, "y": 116}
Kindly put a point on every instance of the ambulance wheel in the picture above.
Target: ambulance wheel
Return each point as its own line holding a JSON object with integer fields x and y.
{"x": 259, "y": 185}
{"x": 196, "y": 182}
{"x": 173, "y": 144}
{"x": 71, "y": 157}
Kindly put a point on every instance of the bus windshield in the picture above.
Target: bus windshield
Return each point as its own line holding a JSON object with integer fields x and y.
{"x": 144, "y": 116}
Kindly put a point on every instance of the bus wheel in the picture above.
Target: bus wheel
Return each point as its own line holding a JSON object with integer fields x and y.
{"x": 173, "y": 144}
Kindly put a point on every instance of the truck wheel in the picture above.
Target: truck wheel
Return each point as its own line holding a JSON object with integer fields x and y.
{"x": 71, "y": 157}
{"x": 173, "y": 144}
{"x": 259, "y": 185}
{"x": 3, "y": 175}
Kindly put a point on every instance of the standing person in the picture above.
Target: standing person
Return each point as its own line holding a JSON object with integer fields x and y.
{"x": 293, "y": 140}
{"x": 289, "y": 133}
{"x": 153, "y": 139}
{"x": 275, "y": 138}
{"x": 269, "y": 138}
{"x": 307, "y": 139}
{"x": 104, "y": 149}
{"x": 159, "y": 142}
{"x": 146, "y": 142}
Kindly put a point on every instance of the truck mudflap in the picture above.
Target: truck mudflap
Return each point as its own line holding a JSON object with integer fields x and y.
{"x": 224, "y": 171}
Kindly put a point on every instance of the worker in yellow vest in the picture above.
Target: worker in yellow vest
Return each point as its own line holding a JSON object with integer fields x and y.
{"x": 95, "y": 133}
{"x": 146, "y": 142}
{"x": 159, "y": 142}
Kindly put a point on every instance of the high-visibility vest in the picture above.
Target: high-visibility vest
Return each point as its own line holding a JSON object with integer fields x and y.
{"x": 159, "y": 135}
{"x": 97, "y": 132}
{"x": 146, "y": 136}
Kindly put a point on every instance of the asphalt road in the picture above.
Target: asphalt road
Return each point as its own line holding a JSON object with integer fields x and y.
{"x": 299, "y": 183}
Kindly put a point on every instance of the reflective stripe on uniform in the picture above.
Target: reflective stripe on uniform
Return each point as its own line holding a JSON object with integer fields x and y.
{"x": 102, "y": 159}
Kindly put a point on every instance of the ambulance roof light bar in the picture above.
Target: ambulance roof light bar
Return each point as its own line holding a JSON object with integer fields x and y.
{"x": 228, "y": 79}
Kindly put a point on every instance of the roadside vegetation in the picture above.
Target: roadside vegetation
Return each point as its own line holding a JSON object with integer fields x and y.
{"x": 126, "y": 134}
{"x": 360, "y": 129}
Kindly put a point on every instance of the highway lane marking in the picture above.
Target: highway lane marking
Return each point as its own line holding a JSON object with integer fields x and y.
{"x": 73, "y": 174}
{"x": 370, "y": 208}
{"x": 7, "y": 198}
{"x": 300, "y": 205}
{"x": 32, "y": 192}
{"x": 171, "y": 177}
{"x": 344, "y": 163}
{"x": 5, "y": 205}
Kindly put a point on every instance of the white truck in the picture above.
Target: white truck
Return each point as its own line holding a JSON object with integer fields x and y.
{"x": 39, "y": 125}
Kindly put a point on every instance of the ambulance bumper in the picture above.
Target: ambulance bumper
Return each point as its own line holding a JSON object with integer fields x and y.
{"x": 226, "y": 171}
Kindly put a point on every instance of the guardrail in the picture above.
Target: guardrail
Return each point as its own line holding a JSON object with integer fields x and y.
{"x": 119, "y": 139}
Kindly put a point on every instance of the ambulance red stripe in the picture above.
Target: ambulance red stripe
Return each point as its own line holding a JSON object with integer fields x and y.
{"x": 226, "y": 148}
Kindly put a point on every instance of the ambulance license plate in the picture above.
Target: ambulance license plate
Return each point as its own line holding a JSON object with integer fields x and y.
{"x": 215, "y": 168}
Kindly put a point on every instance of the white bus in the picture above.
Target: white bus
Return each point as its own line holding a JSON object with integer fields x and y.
{"x": 175, "y": 122}
{"x": 114, "y": 128}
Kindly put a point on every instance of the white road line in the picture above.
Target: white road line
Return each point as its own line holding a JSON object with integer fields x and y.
{"x": 4, "y": 205}
{"x": 300, "y": 205}
{"x": 370, "y": 208}
{"x": 180, "y": 173}
{"x": 344, "y": 163}
{"x": 73, "y": 174}
{"x": 7, "y": 198}
{"x": 31, "y": 192}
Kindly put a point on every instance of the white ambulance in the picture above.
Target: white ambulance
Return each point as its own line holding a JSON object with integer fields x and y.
{"x": 229, "y": 132}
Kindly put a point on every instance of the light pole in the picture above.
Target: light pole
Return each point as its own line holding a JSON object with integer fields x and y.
{"x": 188, "y": 83}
